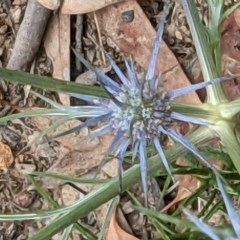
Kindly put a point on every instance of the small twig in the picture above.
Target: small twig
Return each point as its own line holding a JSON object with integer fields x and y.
{"x": 99, "y": 38}
{"x": 78, "y": 39}
{"x": 29, "y": 36}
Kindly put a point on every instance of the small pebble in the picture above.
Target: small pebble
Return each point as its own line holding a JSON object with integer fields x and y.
{"x": 16, "y": 14}
{"x": 3, "y": 29}
{"x": 128, "y": 16}
{"x": 3, "y": 15}
{"x": 178, "y": 35}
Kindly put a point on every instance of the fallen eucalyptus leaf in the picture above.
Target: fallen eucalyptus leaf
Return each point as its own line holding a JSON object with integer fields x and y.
{"x": 76, "y": 6}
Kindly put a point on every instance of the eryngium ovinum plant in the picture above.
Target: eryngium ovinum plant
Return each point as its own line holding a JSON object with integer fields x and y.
{"x": 139, "y": 111}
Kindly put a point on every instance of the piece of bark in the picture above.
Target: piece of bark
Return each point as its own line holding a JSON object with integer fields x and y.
{"x": 29, "y": 36}
{"x": 56, "y": 43}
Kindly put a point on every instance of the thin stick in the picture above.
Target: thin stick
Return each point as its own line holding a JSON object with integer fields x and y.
{"x": 99, "y": 38}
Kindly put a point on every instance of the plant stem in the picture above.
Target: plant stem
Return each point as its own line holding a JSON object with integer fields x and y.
{"x": 229, "y": 141}
{"x": 202, "y": 40}
{"x": 108, "y": 191}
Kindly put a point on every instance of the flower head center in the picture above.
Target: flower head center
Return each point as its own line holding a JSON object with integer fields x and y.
{"x": 137, "y": 112}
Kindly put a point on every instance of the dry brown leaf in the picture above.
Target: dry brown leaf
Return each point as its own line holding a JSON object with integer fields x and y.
{"x": 75, "y": 154}
{"x": 77, "y": 6}
{"x": 231, "y": 67}
{"x": 115, "y": 232}
{"x": 136, "y": 38}
{"x": 231, "y": 37}
{"x": 187, "y": 185}
{"x": 6, "y": 157}
{"x": 56, "y": 43}
{"x": 231, "y": 53}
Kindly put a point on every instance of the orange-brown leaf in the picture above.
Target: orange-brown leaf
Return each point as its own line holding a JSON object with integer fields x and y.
{"x": 115, "y": 232}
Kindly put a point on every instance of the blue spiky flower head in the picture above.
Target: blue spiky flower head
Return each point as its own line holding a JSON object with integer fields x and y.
{"x": 138, "y": 112}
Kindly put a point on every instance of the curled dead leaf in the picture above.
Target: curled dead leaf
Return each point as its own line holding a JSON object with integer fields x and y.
{"x": 187, "y": 185}
{"x": 77, "y": 6}
{"x": 116, "y": 232}
{"x": 6, "y": 157}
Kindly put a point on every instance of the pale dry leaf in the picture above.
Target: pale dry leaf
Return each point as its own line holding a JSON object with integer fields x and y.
{"x": 79, "y": 162}
{"x": 57, "y": 46}
{"x": 19, "y": 2}
{"x": 111, "y": 168}
{"x": 76, "y": 6}
{"x": 6, "y": 156}
{"x": 69, "y": 195}
{"x": 73, "y": 155}
{"x": 116, "y": 232}
{"x": 89, "y": 78}
{"x": 136, "y": 38}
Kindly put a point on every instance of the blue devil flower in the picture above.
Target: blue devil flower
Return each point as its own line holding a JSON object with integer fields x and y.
{"x": 137, "y": 112}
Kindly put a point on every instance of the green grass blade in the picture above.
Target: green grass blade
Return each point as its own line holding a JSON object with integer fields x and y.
{"x": 167, "y": 218}
{"x": 45, "y": 195}
{"x": 33, "y": 113}
{"x": 50, "y": 83}
{"x": 229, "y": 11}
{"x": 67, "y": 232}
{"x": 230, "y": 142}
{"x": 203, "y": 44}
{"x": 84, "y": 231}
{"x": 69, "y": 179}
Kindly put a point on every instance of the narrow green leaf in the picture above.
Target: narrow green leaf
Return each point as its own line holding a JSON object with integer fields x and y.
{"x": 69, "y": 179}
{"x": 67, "y": 232}
{"x": 50, "y": 83}
{"x": 205, "y": 51}
{"x": 229, "y": 11}
{"x": 33, "y": 113}
{"x": 229, "y": 141}
{"x": 46, "y": 196}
